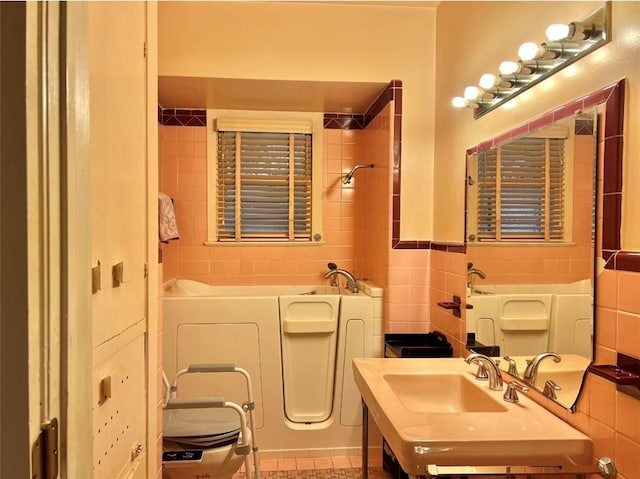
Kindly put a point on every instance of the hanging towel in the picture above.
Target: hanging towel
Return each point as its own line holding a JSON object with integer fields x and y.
{"x": 167, "y": 219}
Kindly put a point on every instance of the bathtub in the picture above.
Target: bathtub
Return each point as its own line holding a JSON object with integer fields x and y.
{"x": 297, "y": 343}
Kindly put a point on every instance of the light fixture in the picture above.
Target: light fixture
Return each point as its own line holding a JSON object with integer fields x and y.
{"x": 473, "y": 93}
{"x": 574, "y": 31}
{"x": 566, "y": 44}
{"x": 460, "y": 102}
{"x": 489, "y": 81}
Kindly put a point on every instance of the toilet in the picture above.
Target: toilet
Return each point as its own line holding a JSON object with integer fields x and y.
{"x": 203, "y": 443}
{"x": 207, "y": 437}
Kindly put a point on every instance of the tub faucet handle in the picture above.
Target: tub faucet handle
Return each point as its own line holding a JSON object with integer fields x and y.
{"x": 334, "y": 278}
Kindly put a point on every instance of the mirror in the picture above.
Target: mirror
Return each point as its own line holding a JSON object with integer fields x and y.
{"x": 530, "y": 240}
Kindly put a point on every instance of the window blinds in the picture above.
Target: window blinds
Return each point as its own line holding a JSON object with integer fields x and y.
{"x": 263, "y": 185}
{"x": 521, "y": 191}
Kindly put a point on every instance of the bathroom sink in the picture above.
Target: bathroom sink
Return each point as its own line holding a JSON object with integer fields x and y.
{"x": 433, "y": 412}
{"x": 441, "y": 393}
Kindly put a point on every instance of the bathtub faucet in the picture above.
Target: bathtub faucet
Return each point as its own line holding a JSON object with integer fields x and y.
{"x": 471, "y": 275}
{"x": 352, "y": 284}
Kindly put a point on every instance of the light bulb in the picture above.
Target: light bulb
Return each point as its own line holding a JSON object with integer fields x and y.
{"x": 557, "y": 32}
{"x": 509, "y": 68}
{"x": 489, "y": 81}
{"x": 458, "y": 102}
{"x": 530, "y": 51}
{"x": 472, "y": 93}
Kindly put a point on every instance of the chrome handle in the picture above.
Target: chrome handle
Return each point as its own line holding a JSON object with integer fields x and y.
{"x": 513, "y": 368}
{"x": 550, "y": 389}
{"x": 511, "y": 394}
{"x": 481, "y": 374}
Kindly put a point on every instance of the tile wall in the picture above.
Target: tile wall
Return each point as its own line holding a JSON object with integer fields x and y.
{"x": 360, "y": 223}
{"x": 183, "y": 177}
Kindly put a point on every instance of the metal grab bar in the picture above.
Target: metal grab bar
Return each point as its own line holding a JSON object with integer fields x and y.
{"x": 605, "y": 468}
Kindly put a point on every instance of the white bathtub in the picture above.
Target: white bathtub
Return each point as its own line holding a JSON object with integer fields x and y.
{"x": 306, "y": 403}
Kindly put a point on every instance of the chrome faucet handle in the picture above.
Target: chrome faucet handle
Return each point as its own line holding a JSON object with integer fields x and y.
{"x": 551, "y": 388}
{"x": 513, "y": 368}
{"x": 482, "y": 374}
{"x": 511, "y": 394}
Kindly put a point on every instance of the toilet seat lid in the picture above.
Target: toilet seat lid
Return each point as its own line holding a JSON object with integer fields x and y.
{"x": 199, "y": 422}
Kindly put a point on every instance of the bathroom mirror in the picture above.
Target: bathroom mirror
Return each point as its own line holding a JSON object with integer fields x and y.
{"x": 530, "y": 236}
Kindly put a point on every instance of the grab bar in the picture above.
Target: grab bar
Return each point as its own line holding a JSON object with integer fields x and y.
{"x": 605, "y": 468}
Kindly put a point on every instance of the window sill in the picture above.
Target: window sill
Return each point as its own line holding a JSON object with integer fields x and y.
{"x": 519, "y": 243}
{"x": 263, "y": 243}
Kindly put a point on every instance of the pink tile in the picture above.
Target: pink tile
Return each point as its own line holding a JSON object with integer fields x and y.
{"x": 286, "y": 464}
{"x": 628, "y": 417}
{"x": 627, "y": 456}
{"x": 628, "y": 334}
{"x": 607, "y": 289}
{"x": 341, "y": 462}
{"x": 629, "y": 292}
{"x": 603, "y": 438}
{"x": 305, "y": 463}
{"x": 267, "y": 465}
{"x": 323, "y": 463}
{"x": 602, "y": 401}
{"x": 606, "y": 327}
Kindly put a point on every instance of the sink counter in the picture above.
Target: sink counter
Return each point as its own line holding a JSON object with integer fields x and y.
{"x": 434, "y": 412}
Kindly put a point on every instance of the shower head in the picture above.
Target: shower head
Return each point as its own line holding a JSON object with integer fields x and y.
{"x": 346, "y": 179}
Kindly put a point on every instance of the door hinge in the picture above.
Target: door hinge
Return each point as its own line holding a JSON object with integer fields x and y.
{"x": 146, "y": 270}
{"x": 145, "y": 49}
{"x": 44, "y": 458}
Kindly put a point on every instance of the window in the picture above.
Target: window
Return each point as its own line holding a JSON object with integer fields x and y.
{"x": 520, "y": 191}
{"x": 263, "y": 186}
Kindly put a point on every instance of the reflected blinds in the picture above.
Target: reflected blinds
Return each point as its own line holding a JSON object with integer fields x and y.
{"x": 263, "y": 185}
{"x": 521, "y": 191}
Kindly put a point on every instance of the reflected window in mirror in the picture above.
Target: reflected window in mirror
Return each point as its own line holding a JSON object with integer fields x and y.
{"x": 519, "y": 190}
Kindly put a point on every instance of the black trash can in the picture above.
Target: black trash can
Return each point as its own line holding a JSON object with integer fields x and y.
{"x": 428, "y": 345}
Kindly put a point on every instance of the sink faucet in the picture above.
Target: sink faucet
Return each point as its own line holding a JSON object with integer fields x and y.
{"x": 495, "y": 376}
{"x": 352, "y": 284}
{"x": 531, "y": 371}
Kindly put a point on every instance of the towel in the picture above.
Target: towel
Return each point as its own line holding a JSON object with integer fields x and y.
{"x": 167, "y": 219}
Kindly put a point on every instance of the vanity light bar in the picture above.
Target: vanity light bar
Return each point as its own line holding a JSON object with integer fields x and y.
{"x": 566, "y": 44}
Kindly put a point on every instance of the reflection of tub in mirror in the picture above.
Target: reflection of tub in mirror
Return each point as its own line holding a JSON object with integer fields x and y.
{"x": 528, "y": 319}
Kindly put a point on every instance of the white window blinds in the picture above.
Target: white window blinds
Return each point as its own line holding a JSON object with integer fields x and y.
{"x": 521, "y": 191}
{"x": 263, "y": 184}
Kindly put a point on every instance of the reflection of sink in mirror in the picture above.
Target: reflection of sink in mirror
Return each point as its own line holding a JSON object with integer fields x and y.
{"x": 568, "y": 374}
{"x": 441, "y": 393}
{"x": 529, "y": 319}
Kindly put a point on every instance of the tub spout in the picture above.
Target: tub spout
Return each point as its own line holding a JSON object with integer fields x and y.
{"x": 352, "y": 283}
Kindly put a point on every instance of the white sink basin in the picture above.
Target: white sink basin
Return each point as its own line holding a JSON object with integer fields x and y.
{"x": 434, "y": 412}
{"x": 441, "y": 393}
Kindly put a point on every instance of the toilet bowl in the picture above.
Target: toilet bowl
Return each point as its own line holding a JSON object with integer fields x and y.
{"x": 203, "y": 443}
